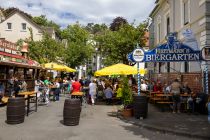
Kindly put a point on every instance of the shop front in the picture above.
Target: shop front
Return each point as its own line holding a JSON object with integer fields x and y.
{"x": 15, "y": 63}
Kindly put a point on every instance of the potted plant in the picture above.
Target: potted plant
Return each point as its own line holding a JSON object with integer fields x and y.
{"x": 127, "y": 98}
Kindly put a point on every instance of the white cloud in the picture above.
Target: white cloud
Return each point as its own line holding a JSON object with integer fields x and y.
{"x": 84, "y": 11}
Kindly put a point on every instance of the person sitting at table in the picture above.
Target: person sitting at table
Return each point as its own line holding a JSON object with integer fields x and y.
{"x": 157, "y": 87}
{"x": 23, "y": 86}
{"x": 185, "y": 89}
{"x": 144, "y": 86}
{"x": 17, "y": 86}
{"x": 175, "y": 90}
{"x": 166, "y": 88}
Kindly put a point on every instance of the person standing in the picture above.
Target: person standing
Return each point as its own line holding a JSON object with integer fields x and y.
{"x": 11, "y": 86}
{"x": 92, "y": 91}
{"x": 76, "y": 86}
{"x": 57, "y": 90}
{"x": 175, "y": 90}
{"x": 47, "y": 84}
{"x": 108, "y": 94}
{"x": 37, "y": 87}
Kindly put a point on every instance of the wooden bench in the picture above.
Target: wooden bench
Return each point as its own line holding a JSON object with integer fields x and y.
{"x": 164, "y": 102}
{"x": 164, "y": 105}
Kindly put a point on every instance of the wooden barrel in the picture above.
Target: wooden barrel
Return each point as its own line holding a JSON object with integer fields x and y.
{"x": 140, "y": 106}
{"x": 71, "y": 112}
{"x": 16, "y": 110}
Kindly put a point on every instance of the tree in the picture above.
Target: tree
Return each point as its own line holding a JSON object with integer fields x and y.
{"x": 117, "y": 23}
{"x": 44, "y": 22}
{"x": 46, "y": 50}
{"x": 78, "y": 51}
{"x": 41, "y": 20}
{"x": 115, "y": 45}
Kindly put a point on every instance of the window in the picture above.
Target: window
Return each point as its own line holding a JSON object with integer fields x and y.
{"x": 159, "y": 68}
{"x": 168, "y": 67}
{"x": 186, "y": 67}
{"x": 159, "y": 29}
{"x": 9, "y": 26}
{"x": 167, "y": 25}
{"x": 185, "y": 12}
{"x": 23, "y": 26}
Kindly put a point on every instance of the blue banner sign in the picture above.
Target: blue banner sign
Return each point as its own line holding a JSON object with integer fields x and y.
{"x": 172, "y": 51}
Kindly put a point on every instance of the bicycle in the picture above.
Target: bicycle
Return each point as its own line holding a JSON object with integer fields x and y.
{"x": 42, "y": 97}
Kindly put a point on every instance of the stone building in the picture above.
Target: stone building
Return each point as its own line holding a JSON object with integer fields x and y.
{"x": 177, "y": 16}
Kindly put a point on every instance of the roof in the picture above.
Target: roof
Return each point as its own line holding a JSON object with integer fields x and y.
{"x": 157, "y": 2}
{"x": 151, "y": 14}
{"x": 23, "y": 15}
{"x": 1, "y": 13}
{"x": 49, "y": 30}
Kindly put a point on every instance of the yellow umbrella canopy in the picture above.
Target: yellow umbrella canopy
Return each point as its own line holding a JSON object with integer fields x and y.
{"x": 58, "y": 67}
{"x": 51, "y": 65}
{"x": 68, "y": 69}
{"x": 64, "y": 68}
{"x": 117, "y": 69}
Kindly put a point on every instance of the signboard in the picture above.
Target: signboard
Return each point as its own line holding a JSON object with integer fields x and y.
{"x": 9, "y": 47}
{"x": 138, "y": 55}
{"x": 172, "y": 51}
{"x": 189, "y": 39}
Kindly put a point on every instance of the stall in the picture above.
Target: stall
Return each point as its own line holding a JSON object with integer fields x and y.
{"x": 14, "y": 62}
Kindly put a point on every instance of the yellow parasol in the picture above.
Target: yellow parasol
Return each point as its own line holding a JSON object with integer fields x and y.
{"x": 117, "y": 69}
{"x": 68, "y": 69}
{"x": 51, "y": 65}
{"x": 58, "y": 67}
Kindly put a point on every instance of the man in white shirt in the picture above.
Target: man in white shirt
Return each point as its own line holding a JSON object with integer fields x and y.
{"x": 144, "y": 86}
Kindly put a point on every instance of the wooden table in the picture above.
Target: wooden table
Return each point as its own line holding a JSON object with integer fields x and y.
{"x": 29, "y": 95}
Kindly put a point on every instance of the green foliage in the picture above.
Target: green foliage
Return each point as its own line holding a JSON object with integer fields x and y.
{"x": 46, "y": 50}
{"x": 78, "y": 51}
{"x": 117, "y": 23}
{"x": 44, "y": 22}
{"x": 127, "y": 96}
{"x": 115, "y": 45}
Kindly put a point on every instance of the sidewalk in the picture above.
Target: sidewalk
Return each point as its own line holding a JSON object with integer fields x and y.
{"x": 195, "y": 126}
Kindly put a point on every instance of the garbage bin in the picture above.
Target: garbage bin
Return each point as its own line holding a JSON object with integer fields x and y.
{"x": 71, "y": 112}
{"x": 15, "y": 110}
{"x": 140, "y": 106}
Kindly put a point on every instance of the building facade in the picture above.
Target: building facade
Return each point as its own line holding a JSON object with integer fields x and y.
{"x": 177, "y": 16}
{"x": 16, "y": 26}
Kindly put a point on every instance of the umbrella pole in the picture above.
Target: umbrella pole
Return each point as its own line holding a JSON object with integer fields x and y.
{"x": 139, "y": 80}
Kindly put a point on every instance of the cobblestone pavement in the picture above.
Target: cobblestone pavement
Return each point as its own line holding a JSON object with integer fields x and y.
{"x": 97, "y": 123}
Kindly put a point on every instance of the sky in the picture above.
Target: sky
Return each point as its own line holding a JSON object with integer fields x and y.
{"x": 65, "y": 12}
